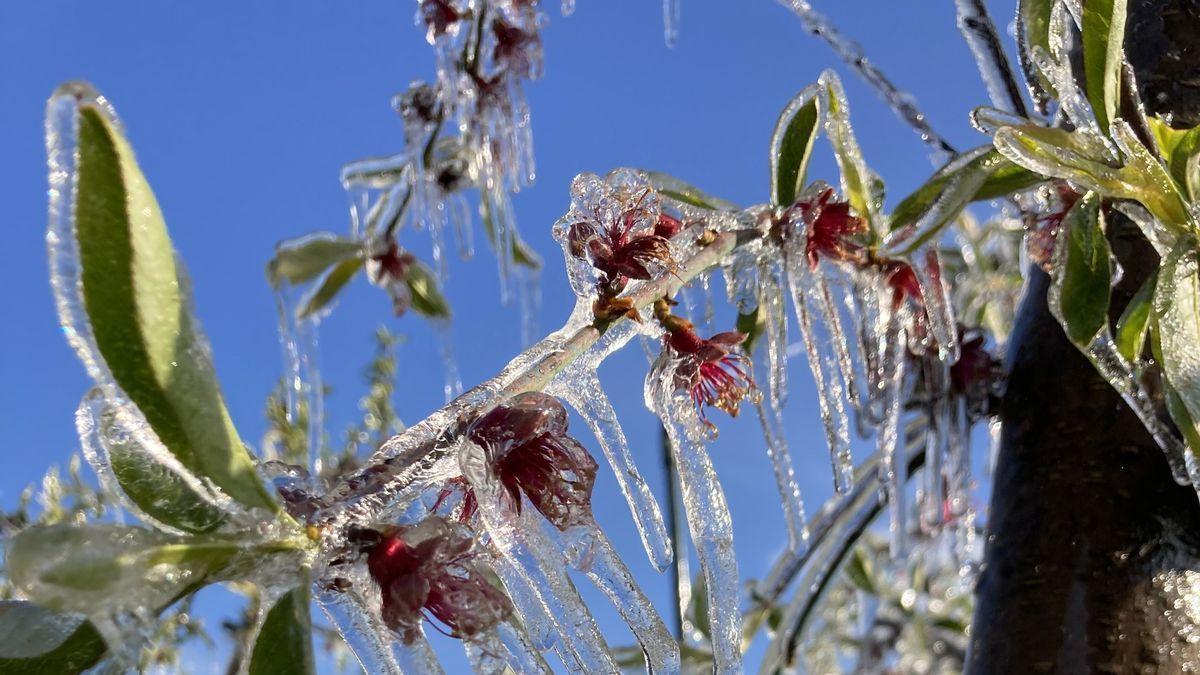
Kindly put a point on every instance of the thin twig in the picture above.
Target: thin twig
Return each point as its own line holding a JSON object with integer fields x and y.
{"x": 977, "y": 29}
{"x": 852, "y": 54}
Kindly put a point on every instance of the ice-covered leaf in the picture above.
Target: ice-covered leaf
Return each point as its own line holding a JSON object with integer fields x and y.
{"x": 40, "y": 642}
{"x": 1181, "y": 150}
{"x": 1033, "y": 31}
{"x": 331, "y": 285}
{"x": 859, "y": 570}
{"x": 751, "y": 324}
{"x": 1135, "y": 321}
{"x": 1000, "y": 177}
{"x": 792, "y": 144}
{"x": 284, "y": 642}
{"x": 522, "y": 253}
{"x": 99, "y": 567}
{"x": 1103, "y": 29}
{"x": 1082, "y": 273}
{"x": 859, "y": 186}
{"x": 304, "y": 259}
{"x": 1177, "y": 314}
{"x": 670, "y": 186}
{"x": 427, "y": 299}
{"x": 124, "y": 298}
{"x": 118, "y": 444}
{"x": 1063, "y": 154}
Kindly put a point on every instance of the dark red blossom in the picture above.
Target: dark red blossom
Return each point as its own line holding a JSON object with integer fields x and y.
{"x": 430, "y": 571}
{"x": 976, "y": 372}
{"x": 901, "y": 278}
{"x": 517, "y": 50}
{"x": 440, "y": 16}
{"x": 389, "y": 270}
{"x": 1043, "y": 230}
{"x": 831, "y": 229}
{"x": 621, "y": 251}
{"x": 709, "y": 370}
{"x": 529, "y": 452}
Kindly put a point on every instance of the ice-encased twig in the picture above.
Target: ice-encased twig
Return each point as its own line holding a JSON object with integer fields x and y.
{"x": 581, "y": 389}
{"x": 589, "y": 550}
{"x": 975, "y": 24}
{"x": 853, "y": 55}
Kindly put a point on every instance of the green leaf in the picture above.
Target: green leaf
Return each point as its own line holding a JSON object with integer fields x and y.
{"x": 1073, "y": 156}
{"x": 283, "y": 645}
{"x": 1081, "y": 288}
{"x": 751, "y": 324}
{"x": 1181, "y": 150}
{"x": 859, "y": 572}
{"x": 860, "y": 186}
{"x": 135, "y": 298}
{"x": 331, "y": 285}
{"x": 1177, "y": 314}
{"x": 158, "y": 491}
{"x": 1033, "y": 31}
{"x": 975, "y": 175}
{"x": 426, "y": 298}
{"x": 792, "y": 144}
{"x": 522, "y": 254}
{"x": 1175, "y": 406}
{"x": 1103, "y": 34}
{"x": 698, "y": 609}
{"x": 670, "y": 186}
{"x": 39, "y": 642}
{"x": 1135, "y": 321}
{"x": 304, "y": 259}
{"x": 95, "y": 567}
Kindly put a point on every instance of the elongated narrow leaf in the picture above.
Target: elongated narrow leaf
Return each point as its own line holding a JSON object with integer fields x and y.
{"x": 426, "y": 297}
{"x": 1135, "y": 321}
{"x": 1082, "y": 274}
{"x": 670, "y": 186}
{"x": 1033, "y": 31}
{"x": 1177, "y": 315}
{"x": 95, "y": 567}
{"x": 40, "y": 642}
{"x": 123, "y": 296}
{"x": 306, "y": 258}
{"x": 751, "y": 324}
{"x": 1103, "y": 37}
{"x": 330, "y": 286}
{"x": 1001, "y": 178}
{"x": 283, "y": 645}
{"x": 859, "y": 185}
{"x": 1181, "y": 150}
{"x": 792, "y": 144}
{"x": 1175, "y": 406}
{"x": 1057, "y": 153}
{"x": 522, "y": 253}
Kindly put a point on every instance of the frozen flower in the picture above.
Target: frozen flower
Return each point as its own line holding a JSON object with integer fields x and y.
{"x": 709, "y": 370}
{"x": 518, "y": 48}
{"x": 441, "y": 17}
{"x": 901, "y": 279}
{"x": 1042, "y": 230}
{"x": 529, "y": 452}
{"x": 389, "y": 270}
{"x": 616, "y": 226}
{"x": 430, "y": 571}
{"x": 829, "y": 226}
{"x": 975, "y": 374}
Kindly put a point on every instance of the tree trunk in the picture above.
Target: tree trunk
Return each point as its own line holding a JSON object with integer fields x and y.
{"x": 1092, "y": 561}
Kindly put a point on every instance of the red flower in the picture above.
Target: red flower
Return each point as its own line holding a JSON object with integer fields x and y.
{"x": 518, "y": 50}
{"x": 831, "y": 228}
{"x": 975, "y": 373}
{"x": 428, "y": 571}
{"x": 441, "y": 17}
{"x": 529, "y": 451}
{"x": 622, "y": 248}
{"x": 389, "y": 271}
{"x": 1043, "y": 229}
{"x": 902, "y": 279}
{"x": 709, "y": 370}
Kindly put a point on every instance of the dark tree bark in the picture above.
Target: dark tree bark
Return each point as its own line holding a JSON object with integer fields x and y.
{"x": 1092, "y": 559}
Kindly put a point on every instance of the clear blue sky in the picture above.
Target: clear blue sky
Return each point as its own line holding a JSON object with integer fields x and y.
{"x": 242, "y": 114}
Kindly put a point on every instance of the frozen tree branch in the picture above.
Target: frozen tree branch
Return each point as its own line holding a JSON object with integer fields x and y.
{"x": 977, "y": 29}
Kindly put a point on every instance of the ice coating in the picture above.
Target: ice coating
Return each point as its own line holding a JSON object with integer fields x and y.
{"x": 977, "y": 29}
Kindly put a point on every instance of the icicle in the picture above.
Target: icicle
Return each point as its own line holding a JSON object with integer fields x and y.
{"x": 940, "y": 442}
{"x": 519, "y": 538}
{"x": 588, "y": 550}
{"x": 823, "y": 365}
{"x": 901, "y": 103}
{"x": 892, "y": 467}
{"x": 529, "y": 301}
{"x": 773, "y": 312}
{"x": 707, "y": 513}
{"x": 935, "y": 295}
{"x": 785, "y": 476}
{"x": 580, "y": 388}
{"x": 445, "y": 340}
{"x": 375, "y": 647}
{"x": 977, "y": 29}
{"x": 853, "y": 379}
{"x": 671, "y": 22}
{"x": 303, "y": 390}
{"x": 959, "y": 482}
